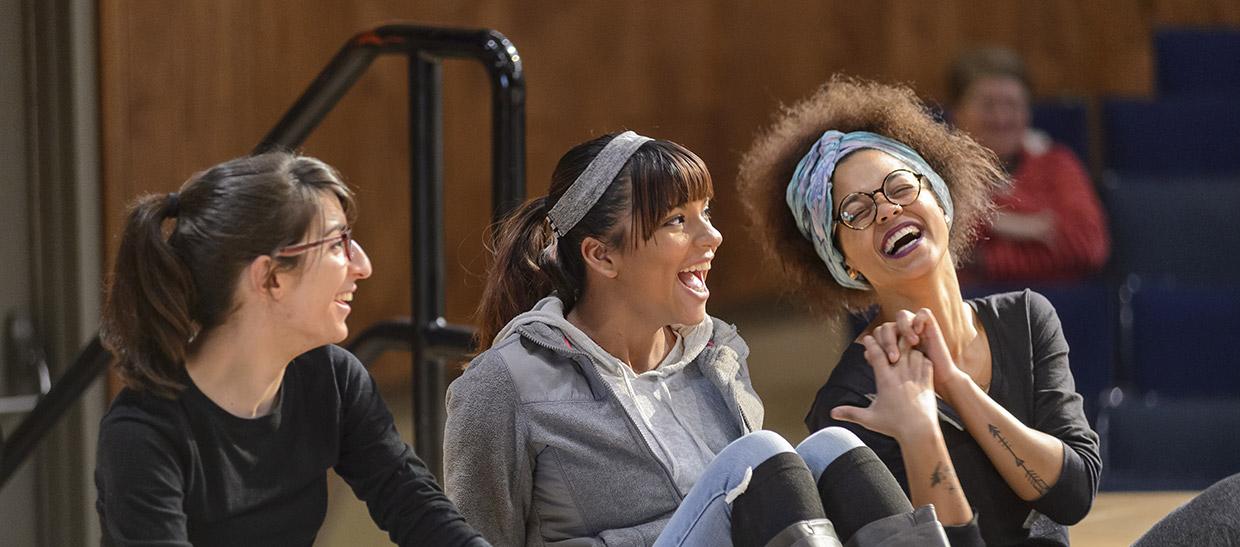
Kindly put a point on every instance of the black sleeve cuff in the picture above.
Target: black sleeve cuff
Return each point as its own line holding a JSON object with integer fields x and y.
{"x": 1069, "y": 500}
{"x": 965, "y": 535}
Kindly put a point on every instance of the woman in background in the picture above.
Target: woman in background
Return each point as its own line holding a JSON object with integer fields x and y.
{"x": 1049, "y": 225}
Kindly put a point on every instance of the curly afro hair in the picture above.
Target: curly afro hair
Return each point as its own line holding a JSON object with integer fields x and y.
{"x": 972, "y": 174}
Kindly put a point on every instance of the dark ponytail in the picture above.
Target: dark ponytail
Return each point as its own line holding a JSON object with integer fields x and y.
{"x": 662, "y": 174}
{"x": 146, "y": 320}
{"x": 181, "y": 254}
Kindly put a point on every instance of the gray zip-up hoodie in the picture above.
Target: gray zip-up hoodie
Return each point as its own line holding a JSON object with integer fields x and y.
{"x": 675, "y": 411}
{"x": 540, "y": 449}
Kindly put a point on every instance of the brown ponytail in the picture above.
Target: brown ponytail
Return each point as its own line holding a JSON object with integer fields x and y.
{"x": 662, "y": 174}
{"x": 517, "y": 278}
{"x": 146, "y": 321}
{"x": 181, "y": 254}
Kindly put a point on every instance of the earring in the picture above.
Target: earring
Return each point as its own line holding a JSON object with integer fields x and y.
{"x": 854, "y": 274}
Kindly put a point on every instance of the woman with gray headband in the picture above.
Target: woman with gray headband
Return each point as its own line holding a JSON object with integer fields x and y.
{"x": 867, "y": 203}
{"x": 610, "y": 409}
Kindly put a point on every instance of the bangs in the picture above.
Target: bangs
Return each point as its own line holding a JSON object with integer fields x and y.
{"x": 316, "y": 178}
{"x": 313, "y": 180}
{"x": 663, "y": 175}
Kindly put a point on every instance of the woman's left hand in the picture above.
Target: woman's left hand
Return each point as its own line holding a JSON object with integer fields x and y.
{"x": 905, "y": 409}
{"x": 904, "y": 405}
{"x": 920, "y": 330}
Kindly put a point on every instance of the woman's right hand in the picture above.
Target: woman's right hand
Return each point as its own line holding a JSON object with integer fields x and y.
{"x": 906, "y": 410}
{"x": 1037, "y": 227}
{"x": 920, "y": 330}
{"x": 905, "y": 404}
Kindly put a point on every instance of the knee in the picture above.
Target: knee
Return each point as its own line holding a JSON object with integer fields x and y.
{"x": 823, "y": 447}
{"x": 756, "y": 447}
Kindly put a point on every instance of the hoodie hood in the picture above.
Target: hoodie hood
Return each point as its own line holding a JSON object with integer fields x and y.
{"x": 550, "y": 312}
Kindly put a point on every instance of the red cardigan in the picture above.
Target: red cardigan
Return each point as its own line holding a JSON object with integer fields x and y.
{"x": 1048, "y": 177}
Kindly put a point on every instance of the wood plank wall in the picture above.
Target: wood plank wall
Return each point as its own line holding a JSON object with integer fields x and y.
{"x": 190, "y": 83}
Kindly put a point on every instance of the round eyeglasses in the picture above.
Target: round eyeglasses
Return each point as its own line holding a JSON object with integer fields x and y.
{"x": 859, "y": 209}
{"x": 345, "y": 238}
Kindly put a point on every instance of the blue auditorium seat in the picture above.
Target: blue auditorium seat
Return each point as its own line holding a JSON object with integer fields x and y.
{"x": 1174, "y": 227}
{"x": 1179, "y": 310}
{"x": 1197, "y": 61}
{"x": 1154, "y": 444}
{"x": 1180, "y": 337}
{"x": 1066, "y": 120}
{"x": 1186, "y": 136}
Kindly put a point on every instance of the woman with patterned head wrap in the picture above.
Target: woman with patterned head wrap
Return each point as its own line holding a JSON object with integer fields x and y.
{"x": 867, "y": 203}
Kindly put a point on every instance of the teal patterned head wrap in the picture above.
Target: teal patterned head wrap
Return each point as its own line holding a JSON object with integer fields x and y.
{"x": 809, "y": 192}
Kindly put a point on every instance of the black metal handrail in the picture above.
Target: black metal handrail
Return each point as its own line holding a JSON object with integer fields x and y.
{"x": 25, "y": 352}
{"x": 444, "y": 340}
{"x": 431, "y": 338}
{"x": 429, "y": 46}
{"x": 65, "y": 392}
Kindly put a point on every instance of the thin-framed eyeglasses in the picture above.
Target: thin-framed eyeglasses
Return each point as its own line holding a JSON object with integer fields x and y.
{"x": 859, "y": 209}
{"x": 345, "y": 237}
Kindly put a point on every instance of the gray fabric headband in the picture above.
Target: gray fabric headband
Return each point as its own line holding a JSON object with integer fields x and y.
{"x": 590, "y": 185}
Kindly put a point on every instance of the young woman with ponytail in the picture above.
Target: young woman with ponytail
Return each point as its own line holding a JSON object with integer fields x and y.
{"x": 608, "y": 408}
{"x": 221, "y": 311}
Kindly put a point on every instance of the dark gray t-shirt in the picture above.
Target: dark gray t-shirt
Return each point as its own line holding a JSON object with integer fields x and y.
{"x": 1031, "y": 379}
{"x": 185, "y": 471}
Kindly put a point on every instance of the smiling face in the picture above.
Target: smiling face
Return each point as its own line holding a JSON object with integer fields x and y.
{"x": 995, "y": 111}
{"x": 316, "y": 300}
{"x": 664, "y": 278}
{"x": 902, "y": 243}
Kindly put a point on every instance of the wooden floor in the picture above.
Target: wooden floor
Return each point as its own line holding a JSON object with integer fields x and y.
{"x": 1119, "y": 518}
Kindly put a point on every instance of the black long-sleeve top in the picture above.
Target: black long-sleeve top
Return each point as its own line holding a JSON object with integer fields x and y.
{"x": 176, "y": 472}
{"x": 1030, "y": 378}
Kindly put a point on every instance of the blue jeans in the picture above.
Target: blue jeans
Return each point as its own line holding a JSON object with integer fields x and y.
{"x": 704, "y": 517}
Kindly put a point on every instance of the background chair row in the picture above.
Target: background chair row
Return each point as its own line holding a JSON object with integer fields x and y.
{"x": 1151, "y": 337}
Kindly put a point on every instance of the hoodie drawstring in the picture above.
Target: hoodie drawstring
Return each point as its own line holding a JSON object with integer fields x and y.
{"x": 668, "y": 456}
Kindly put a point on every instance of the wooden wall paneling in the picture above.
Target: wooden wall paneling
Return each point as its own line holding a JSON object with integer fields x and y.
{"x": 186, "y": 85}
{"x": 1203, "y": 13}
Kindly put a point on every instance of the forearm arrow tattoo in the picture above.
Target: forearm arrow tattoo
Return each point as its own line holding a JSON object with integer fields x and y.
{"x": 1033, "y": 477}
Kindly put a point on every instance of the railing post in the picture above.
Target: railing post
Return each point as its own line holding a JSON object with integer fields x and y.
{"x": 426, "y": 192}
{"x": 508, "y": 132}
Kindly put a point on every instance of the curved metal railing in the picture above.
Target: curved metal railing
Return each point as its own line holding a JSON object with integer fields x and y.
{"x": 433, "y": 341}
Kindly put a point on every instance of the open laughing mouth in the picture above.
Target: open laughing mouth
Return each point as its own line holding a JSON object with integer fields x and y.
{"x": 694, "y": 278}
{"x": 901, "y": 240}
{"x": 344, "y": 299}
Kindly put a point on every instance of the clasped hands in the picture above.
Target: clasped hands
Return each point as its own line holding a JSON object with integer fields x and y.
{"x": 911, "y": 362}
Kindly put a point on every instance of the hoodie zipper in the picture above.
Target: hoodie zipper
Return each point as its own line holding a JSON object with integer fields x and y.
{"x": 667, "y": 473}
